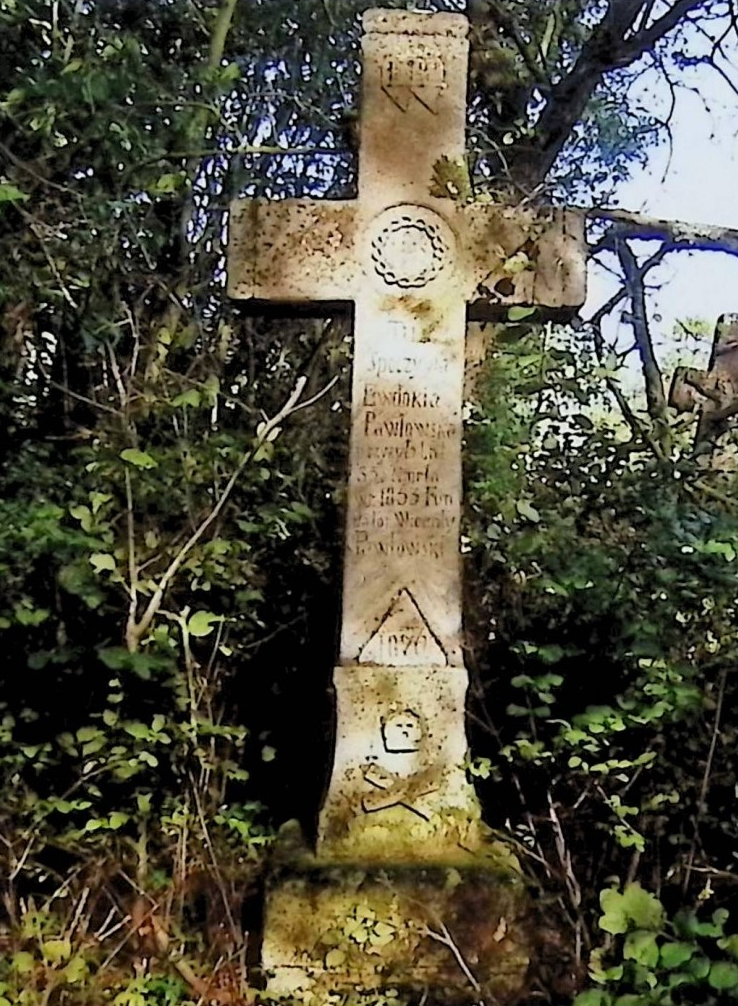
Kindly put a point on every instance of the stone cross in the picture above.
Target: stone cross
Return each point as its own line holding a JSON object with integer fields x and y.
{"x": 414, "y": 262}
{"x": 714, "y": 392}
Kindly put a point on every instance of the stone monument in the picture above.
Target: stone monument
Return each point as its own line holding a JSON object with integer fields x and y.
{"x": 714, "y": 392}
{"x": 403, "y": 889}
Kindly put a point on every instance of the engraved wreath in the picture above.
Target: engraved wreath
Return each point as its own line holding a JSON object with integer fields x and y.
{"x": 409, "y": 252}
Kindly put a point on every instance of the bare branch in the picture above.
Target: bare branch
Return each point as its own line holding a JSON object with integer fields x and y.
{"x": 154, "y": 605}
{"x": 609, "y": 47}
{"x": 702, "y": 237}
{"x": 655, "y": 394}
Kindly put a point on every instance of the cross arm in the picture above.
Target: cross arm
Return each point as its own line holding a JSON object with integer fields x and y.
{"x": 291, "y": 250}
{"x": 522, "y": 256}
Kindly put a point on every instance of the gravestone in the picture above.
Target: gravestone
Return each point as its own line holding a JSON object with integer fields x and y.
{"x": 401, "y": 852}
{"x": 714, "y": 392}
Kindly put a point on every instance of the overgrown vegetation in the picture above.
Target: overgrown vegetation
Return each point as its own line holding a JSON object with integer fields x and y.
{"x": 170, "y": 513}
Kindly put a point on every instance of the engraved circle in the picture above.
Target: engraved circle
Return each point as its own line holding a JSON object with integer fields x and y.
{"x": 410, "y": 247}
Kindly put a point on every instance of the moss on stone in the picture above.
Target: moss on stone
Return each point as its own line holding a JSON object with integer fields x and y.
{"x": 459, "y": 932}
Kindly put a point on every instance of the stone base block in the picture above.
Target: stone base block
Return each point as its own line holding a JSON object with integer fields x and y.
{"x": 459, "y": 934}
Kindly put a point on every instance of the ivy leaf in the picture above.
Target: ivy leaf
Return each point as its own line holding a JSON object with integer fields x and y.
{"x": 698, "y": 967}
{"x": 76, "y": 971}
{"x": 451, "y": 179}
{"x": 613, "y": 920}
{"x": 335, "y": 958}
{"x": 644, "y": 908}
{"x": 140, "y": 459}
{"x": 83, "y": 515}
{"x": 117, "y": 819}
{"x": 99, "y": 499}
{"x": 22, "y": 962}
{"x": 137, "y": 730}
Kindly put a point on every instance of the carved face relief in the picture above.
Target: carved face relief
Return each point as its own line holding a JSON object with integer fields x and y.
{"x": 402, "y": 732}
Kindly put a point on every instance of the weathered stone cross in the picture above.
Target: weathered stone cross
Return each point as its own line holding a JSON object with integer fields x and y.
{"x": 414, "y": 263}
{"x": 715, "y": 393}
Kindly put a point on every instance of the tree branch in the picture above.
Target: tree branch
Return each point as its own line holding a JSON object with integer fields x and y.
{"x": 703, "y": 237}
{"x": 137, "y": 630}
{"x": 655, "y": 395}
{"x": 606, "y": 49}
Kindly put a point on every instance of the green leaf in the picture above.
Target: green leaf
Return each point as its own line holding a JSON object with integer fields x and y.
{"x": 201, "y": 623}
{"x": 527, "y": 511}
{"x": 641, "y": 946}
{"x": 643, "y": 909}
{"x": 143, "y": 803}
{"x": 98, "y": 500}
{"x": 138, "y": 458}
{"x": 723, "y": 975}
{"x": 614, "y": 919}
{"x": 191, "y": 398}
{"x": 168, "y": 183}
{"x": 57, "y": 951}
{"x": 335, "y": 958}
{"x": 11, "y": 193}
{"x": 729, "y": 943}
{"x": 593, "y": 997}
{"x": 520, "y": 313}
{"x": 102, "y": 560}
{"x": 83, "y": 515}
{"x": 85, "y": 734}
{"x": 268, "y": 753}
{"x": 673, "y": 955}
{"x": 22, "y": 962}
{"x": 137, "y": 730}
{"x": 518, "y": 262}
{"x": 698, "y": 967}
{"x": 76, "y": 971}
{"x": 229, "y": 73}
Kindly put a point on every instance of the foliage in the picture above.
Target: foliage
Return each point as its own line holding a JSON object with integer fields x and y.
{"x": 604, "y": 595}
{"x": 158, "y": 533}
{"x": 653, "y": 960}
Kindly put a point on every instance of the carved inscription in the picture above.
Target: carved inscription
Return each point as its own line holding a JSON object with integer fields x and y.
{"x": 403, "y": 638}
{"x": 406, "y": 505}
{"x": 418, "y": 73}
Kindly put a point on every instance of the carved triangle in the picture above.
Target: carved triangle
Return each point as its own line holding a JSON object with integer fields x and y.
{"x": 403, "y": 638}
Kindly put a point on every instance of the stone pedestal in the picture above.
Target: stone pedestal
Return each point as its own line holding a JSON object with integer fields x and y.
{"x": 458, "y": 932}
